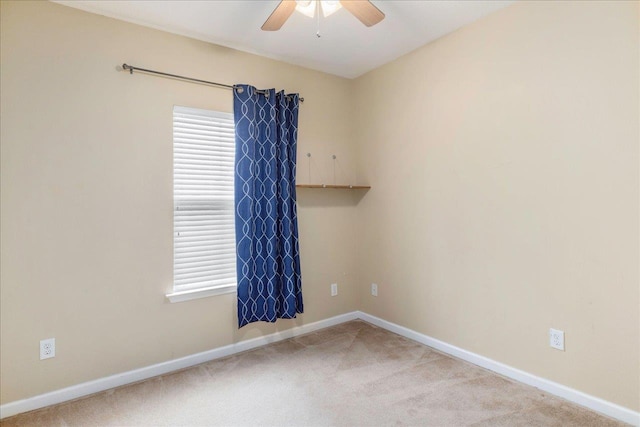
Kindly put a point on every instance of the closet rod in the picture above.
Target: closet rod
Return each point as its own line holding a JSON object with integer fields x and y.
{"x": 131, "y": 69}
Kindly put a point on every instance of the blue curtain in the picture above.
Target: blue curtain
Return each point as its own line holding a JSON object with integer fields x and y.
{"x": 268, "y": 258}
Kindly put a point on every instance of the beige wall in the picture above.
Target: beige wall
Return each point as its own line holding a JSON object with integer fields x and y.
{"x": 87, "y": 195}
{"x": 504, "y": 165}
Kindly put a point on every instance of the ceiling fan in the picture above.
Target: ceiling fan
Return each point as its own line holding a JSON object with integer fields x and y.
{"x": 364, "y": 10}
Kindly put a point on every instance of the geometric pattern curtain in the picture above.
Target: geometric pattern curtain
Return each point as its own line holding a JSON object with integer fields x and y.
{"x": 268, "y": 256}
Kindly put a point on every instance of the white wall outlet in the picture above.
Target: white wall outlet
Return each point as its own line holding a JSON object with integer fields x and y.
{"x": 47, "y": 348}
{"x": 334, "y": 289}
{"x": 374, "y": 289}
{"x": 556, "y": 339}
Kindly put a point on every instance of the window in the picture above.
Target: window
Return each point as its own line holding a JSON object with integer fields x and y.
{"x": 204, "y": 250}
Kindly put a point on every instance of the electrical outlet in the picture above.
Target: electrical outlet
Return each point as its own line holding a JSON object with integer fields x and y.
{"x": 334, "y": 289}
{"x": 374, "y": 289}
{"x": 47, "y": 348}
{"x": 556, "y": 339}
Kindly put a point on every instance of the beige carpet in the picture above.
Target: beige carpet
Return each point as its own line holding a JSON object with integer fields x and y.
{"x": 354, "y": 374}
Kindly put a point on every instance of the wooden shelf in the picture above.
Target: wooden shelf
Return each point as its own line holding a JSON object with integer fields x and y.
{"x": 340, "y": 187}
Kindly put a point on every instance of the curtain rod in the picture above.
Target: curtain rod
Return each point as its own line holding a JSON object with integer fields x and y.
{"x": 131, "y": 69}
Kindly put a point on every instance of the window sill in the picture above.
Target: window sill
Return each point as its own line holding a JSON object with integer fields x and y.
{"x": 201, "y": 293}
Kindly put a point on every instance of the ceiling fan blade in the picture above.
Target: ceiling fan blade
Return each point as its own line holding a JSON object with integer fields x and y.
{"x": 279, "y": 16}
{"x": 364, "y": 10}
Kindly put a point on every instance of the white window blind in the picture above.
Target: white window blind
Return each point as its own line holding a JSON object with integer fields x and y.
{"x": 204, "y": 250}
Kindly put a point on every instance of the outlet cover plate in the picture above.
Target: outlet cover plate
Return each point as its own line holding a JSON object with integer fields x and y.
{"x": 374, "y": 289}
{"x": 556, "y": 339}
{"x": 47, "y": 348}
{"x": 334, "y": 289}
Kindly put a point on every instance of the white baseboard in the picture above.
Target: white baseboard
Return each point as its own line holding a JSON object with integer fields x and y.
{"x": 90, "y": 387}
{"x": 85, "y": 389}
{"x": 594, "y": 403}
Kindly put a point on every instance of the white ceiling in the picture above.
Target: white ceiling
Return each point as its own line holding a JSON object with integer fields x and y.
{"x": 347, "y": 48}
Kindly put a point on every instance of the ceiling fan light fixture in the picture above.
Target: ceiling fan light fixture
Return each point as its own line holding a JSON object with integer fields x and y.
{"x": 365, "y": 11}
{"x": 308, "y": 7}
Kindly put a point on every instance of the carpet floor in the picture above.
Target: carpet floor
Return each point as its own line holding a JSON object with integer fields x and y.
{"x": 353, "y": 374}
